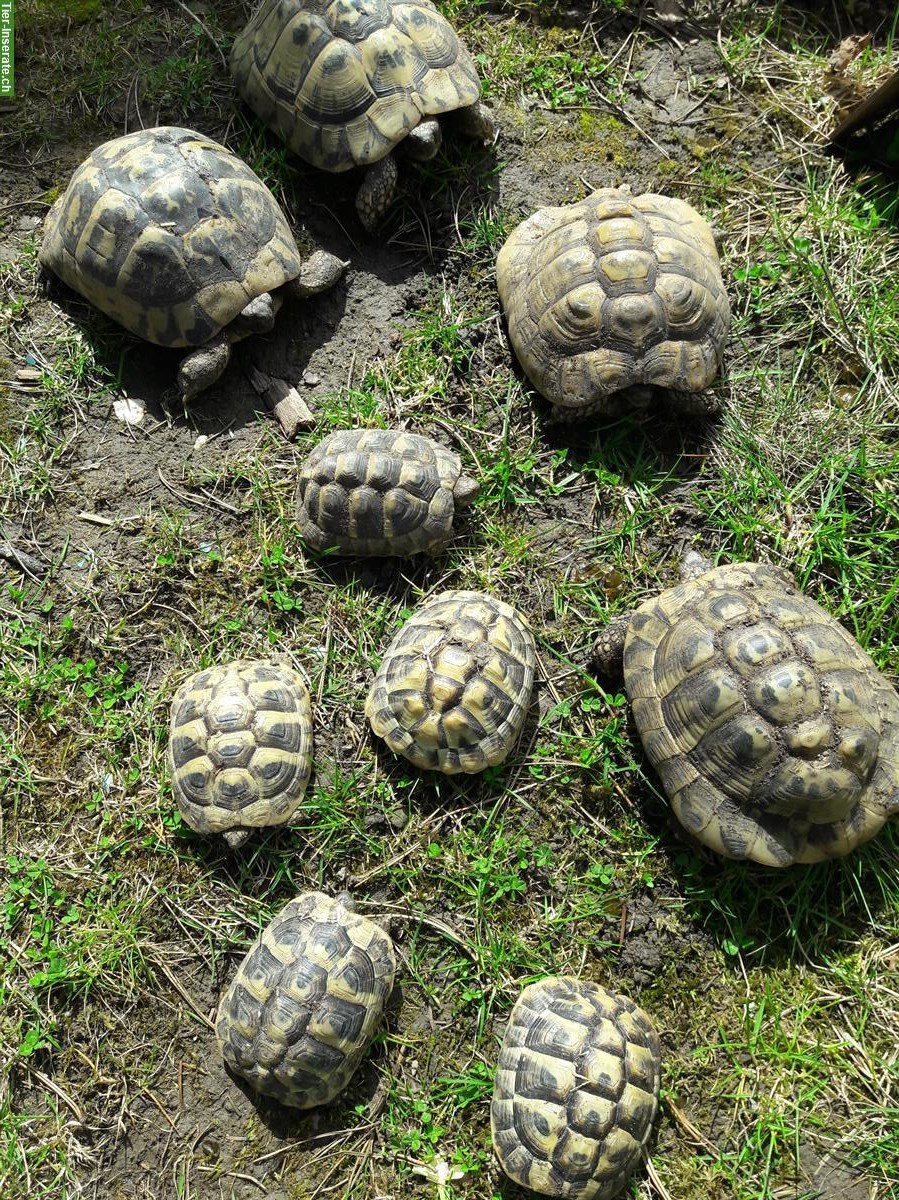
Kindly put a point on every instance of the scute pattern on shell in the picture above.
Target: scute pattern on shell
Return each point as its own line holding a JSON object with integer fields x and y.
{"x": 169, "y": 234}
{"x": 240, "y": 745}
{"x": 379, "y": 492}
{"x": 306, "y": 1001}
{"x": 775, "y": 736}
{"x": 613, "y": 292}
{"x": 576, "y": 1089}
{"x": 344, "y": 81}
{"x": 454, "y": 686}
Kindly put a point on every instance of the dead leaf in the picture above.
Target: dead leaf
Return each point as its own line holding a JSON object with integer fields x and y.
{"x": 847, "y": 52}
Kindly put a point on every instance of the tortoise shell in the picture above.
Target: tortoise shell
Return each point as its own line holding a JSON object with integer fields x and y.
{"x": 454, "y": 686}
{"x": 240, "y": 747}
{"x": 306, "y": 1001}
{"x": 380, "y": 492}
{"x": 612, "y": 293}
{"x": 576, "y": 1089}
{"x": 343, "y": 81}
{"x": 775, "y": 736}
{"x": 169, "y": 234}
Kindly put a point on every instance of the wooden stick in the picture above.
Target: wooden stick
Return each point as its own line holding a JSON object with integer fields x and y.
{"x": 290, "y": 410}
{"x": 881, "y": 101}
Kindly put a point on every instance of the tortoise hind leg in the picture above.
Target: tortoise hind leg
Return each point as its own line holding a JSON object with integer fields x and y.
{"x": 376, "y": 194}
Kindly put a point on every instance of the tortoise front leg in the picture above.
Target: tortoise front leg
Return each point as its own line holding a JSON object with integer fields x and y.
{"x": 475, "y": 122}
{"x": 319, "y": 272}
{"x": 376, "y": 194}
{"x": 423, "y": 142}
{"x": 607, "y": 653}
{"x": 202, "y": 367}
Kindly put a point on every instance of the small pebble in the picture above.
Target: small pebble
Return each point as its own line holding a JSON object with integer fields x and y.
{"x": 398, "y": 819}
{"x": 130, "y": 412}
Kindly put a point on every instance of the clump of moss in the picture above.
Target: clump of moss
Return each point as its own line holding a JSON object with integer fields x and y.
{"x": 35, "y": 15}
{"x": 588, "y": 136}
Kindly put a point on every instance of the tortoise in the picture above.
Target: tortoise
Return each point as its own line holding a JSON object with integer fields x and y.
{"x": 380, "y": 492}
{"x": 306, "y": 1001}
{"x": 613, "y": 297}
{"x": 344, "y": 82}
{"x": 176, "y": 239}
{"x": 576, "y": 1089}
{"x": 775, "y": 736}
{"x": 454, "y": 686}
{"x": 240, "y": 747}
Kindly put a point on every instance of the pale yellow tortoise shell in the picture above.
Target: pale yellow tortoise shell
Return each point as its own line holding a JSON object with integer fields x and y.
{"x": 616, "y": 292}
{"x": 306, "y": 1001}
{"x": 454, "y": 686}
{"x": 380, "y": 492}
{"x": 344, "y": 82}
{"x": 169, "y": 234}
{"x": 774, "y": 734}
{"x": 240, "y": 747}
{"x": 576, "y": 1090}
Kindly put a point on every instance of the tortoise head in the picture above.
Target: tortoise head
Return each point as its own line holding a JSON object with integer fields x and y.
{"x": 465, "y": 490}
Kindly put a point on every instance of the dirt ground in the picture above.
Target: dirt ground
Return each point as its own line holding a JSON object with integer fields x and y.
{"x": 152, "y": 535}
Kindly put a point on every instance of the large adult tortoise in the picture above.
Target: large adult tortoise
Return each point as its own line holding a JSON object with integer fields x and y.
{"x": 306, "y": 1001}
{"x": 576, "y": 1090}
{"x": 454, "y": 686}
{"x": 613, "y": 297}
{"x": 344, "y": 82}
{"x": 774, "y": 734}
{"x": 240, "y": 747}
{"x": 176, "y": 239}
{"x": 380, "y": 492}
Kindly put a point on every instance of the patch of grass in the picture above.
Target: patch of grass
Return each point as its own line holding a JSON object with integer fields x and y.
{"x": 554, "y": 66}
{"x": 834, "y": 523}
{"x": 93, "y": 71}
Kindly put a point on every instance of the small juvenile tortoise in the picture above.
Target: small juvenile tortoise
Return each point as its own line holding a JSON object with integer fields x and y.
{"x": 346, "y": 81}
{"x": 612, "y": 297}
{"x": 171, "y": 235}
{"x": 240, "y": 747}
{"x": 774, "y": 734}
{"x": 306, "y": 1001}
{"x": 454, "y": 686}
{"x": 380, "y": 492}
{"x": 576, "y": 1089}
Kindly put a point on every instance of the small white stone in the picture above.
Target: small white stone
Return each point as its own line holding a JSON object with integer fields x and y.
{"x": 201, "y": 441}
{"x": 130, "y": 412}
